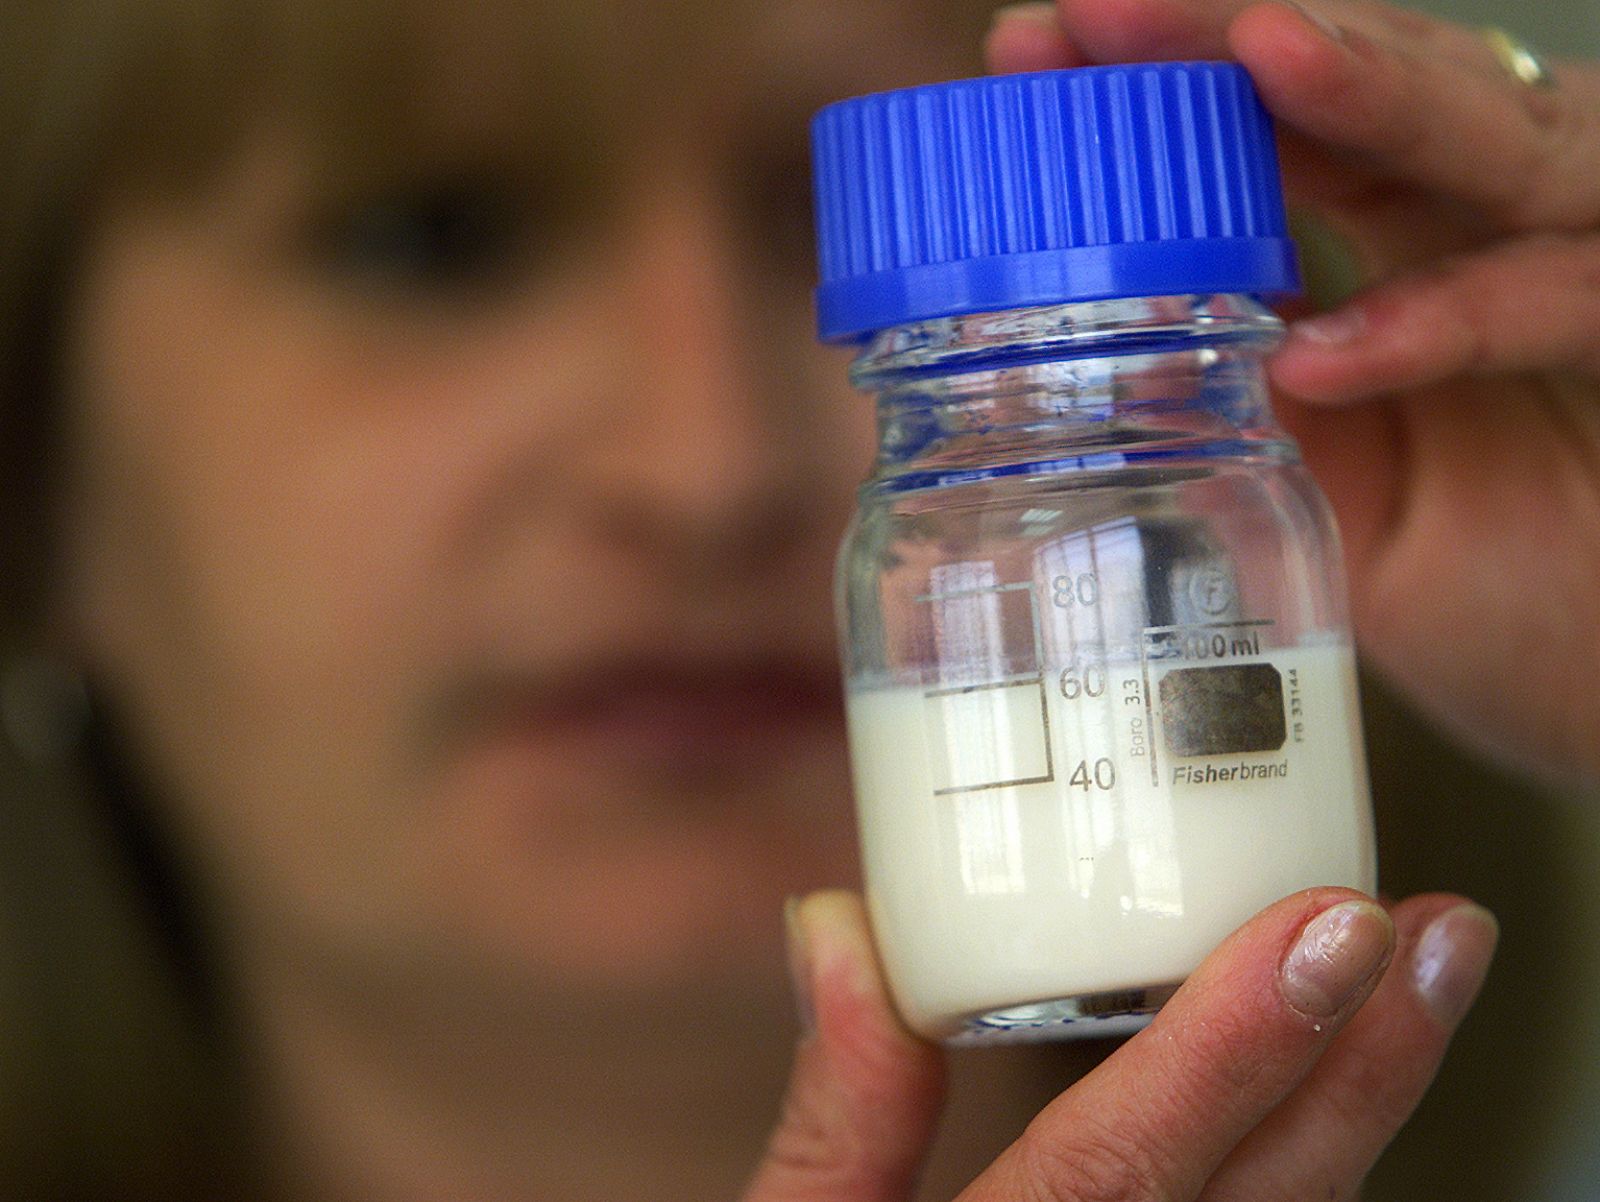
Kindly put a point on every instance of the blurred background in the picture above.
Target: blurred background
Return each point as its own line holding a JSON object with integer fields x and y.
{"x": 114, "y": 1062}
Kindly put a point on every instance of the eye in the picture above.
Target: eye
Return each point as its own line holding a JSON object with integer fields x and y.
{"x": 442, "y": 236}
{"x": 777, "y": 187}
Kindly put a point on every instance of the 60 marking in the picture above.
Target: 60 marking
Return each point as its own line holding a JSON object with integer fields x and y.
{"x": 1083, "y": 680}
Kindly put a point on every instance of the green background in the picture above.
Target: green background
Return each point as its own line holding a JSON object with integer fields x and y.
{"x": 1559, "y": 27}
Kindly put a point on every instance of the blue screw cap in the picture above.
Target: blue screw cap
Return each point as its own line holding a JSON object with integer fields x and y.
{"x": 1009, "y": 191}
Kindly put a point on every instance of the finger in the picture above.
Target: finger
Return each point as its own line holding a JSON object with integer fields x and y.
{"x": 1531, "y": 304}
{"x": 1432, "y": 107}
{"x": 1136, "y": 31}
{"x": 1373, "y": 1076}
{"x": 1028, "y": 37}
{"x": 1165, "y": 30}
{"x": 1154, "y": 1121}
{"x": 865, "y": 1094}
{"x": 1406, "y": 91}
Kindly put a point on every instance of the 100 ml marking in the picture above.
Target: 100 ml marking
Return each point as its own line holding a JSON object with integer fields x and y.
{"x": 1198, "y": 645}
{"x": 1215, "y": 640}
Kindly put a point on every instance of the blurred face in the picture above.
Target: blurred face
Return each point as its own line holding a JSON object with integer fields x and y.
{"x": 456, "y": 548}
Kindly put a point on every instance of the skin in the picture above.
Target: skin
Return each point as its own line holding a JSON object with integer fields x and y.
{"x": 477, "y": 624}
{"x": 597, "y": 455}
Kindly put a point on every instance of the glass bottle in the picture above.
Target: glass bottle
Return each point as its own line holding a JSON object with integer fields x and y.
{"x": 1101, "y": 690}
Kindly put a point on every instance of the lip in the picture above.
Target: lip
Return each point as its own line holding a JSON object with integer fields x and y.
{"x": 688, "y": 713}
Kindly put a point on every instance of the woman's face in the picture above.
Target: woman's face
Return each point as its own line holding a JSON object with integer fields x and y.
{"x": 457, "y": 551}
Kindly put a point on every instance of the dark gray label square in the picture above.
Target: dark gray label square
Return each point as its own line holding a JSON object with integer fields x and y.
{"x": 1225, "y": 710}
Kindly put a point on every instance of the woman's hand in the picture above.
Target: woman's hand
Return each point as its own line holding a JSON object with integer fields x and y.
{"x": 1451, "y": 410}
{"x": 1278, "y": 1072}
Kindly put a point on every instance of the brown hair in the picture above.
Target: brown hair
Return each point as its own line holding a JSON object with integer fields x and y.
{"x": 111, "y": 1086}
{"x": 103, "y": 92}
{"x": 100, "y": 1078}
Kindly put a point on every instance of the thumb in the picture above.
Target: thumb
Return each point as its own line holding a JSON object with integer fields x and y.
{"x": 865, "y": 1094}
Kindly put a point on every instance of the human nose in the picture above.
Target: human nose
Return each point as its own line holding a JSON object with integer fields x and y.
{"x": 705, "y": 454}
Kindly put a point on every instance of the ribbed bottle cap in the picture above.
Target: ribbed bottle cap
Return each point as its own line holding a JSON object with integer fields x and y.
{"x": 1014, "y": 190}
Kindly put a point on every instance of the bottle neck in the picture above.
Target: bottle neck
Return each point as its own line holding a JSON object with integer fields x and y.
{"x": 1079, "y": 387}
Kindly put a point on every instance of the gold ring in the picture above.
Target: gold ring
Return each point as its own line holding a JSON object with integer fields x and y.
{"x": 1520, "y": 59}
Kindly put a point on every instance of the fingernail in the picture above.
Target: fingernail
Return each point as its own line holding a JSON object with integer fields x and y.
{"x": 1321, "y": 22}
{"x": 1339, "y": 328}
{"x": 1040, "y": 12}
{"x": 1452, "y": 960}
{"x": 1337, "y": 954}
{"x": 799, "y": 968}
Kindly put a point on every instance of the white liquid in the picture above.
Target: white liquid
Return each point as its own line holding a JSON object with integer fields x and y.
{"x": 1107, "y": 876}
